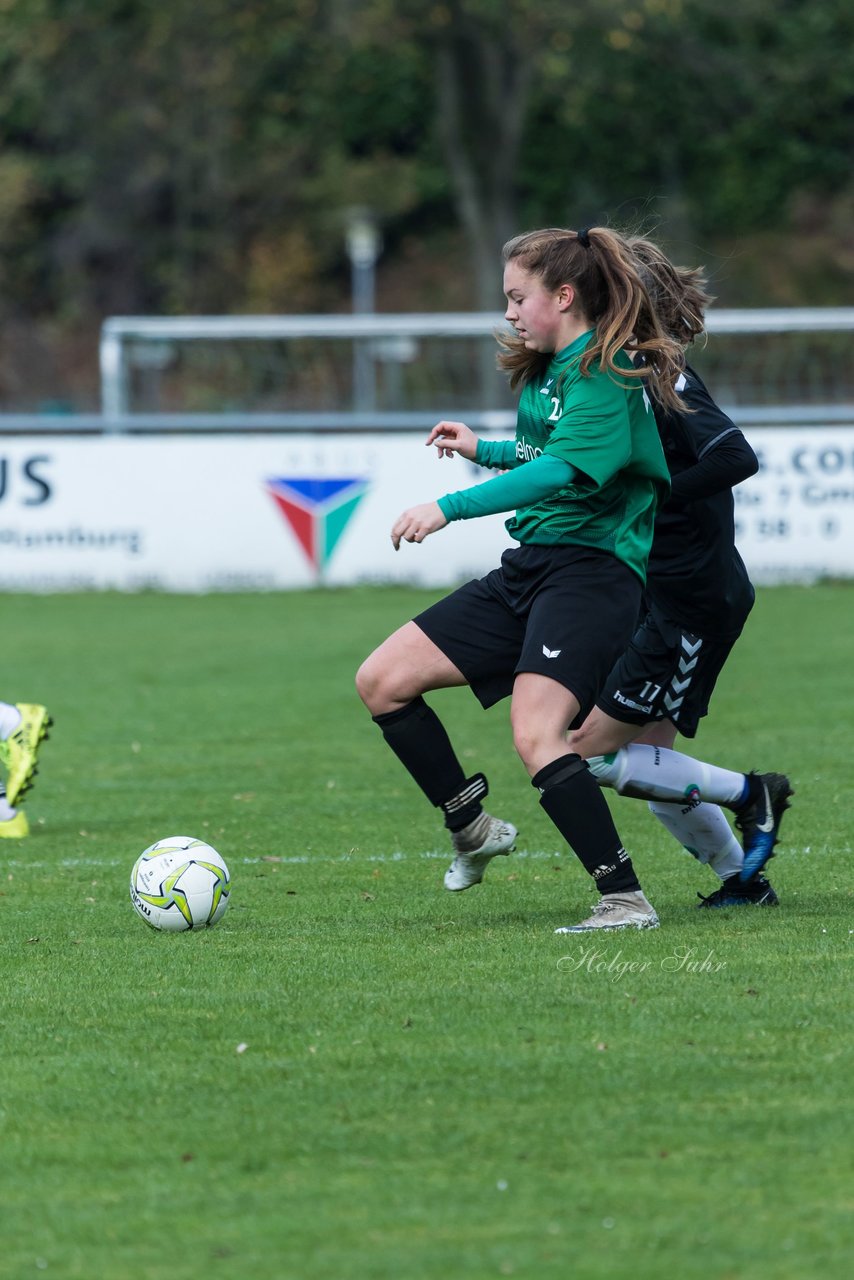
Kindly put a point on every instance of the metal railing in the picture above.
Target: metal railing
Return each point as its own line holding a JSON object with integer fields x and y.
{"x": 771, "y": 365}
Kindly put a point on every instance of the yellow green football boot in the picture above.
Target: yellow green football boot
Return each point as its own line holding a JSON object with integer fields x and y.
{"x": 14, "y": 828}
{"x": 19, "y": 752}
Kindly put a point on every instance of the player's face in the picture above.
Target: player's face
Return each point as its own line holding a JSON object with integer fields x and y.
{"x": 536, "y": 313}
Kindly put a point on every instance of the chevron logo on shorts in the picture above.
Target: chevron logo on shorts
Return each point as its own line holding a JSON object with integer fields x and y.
{"x": 675, "y": 695}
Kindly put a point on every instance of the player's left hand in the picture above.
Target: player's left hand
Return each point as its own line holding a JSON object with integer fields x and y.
{"x": 416, "y": 523}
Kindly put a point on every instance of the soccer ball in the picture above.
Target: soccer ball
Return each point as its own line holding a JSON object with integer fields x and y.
{"x": 180, "y": 883}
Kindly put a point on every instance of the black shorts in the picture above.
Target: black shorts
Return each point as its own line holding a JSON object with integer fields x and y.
{"x": 666, "y": 673}
{"x": 567, "y": 612}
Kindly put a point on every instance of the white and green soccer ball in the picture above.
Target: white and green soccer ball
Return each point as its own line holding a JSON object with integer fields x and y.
{"x": 180, "y": 883}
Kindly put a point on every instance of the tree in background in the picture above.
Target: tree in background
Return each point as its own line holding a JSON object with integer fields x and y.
{"x": 201, "y": 156}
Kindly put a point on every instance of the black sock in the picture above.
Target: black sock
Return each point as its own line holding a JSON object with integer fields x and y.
{"x": 573, "y": 800}
{"x": 418, "y": 738}
{"x": 754, "y": 791}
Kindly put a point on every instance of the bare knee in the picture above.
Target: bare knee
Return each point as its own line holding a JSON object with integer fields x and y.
{"x": 600, "y": 735}
{"x": 375, "y": 685}
{"x": 586, "y": 741}
{"x": 540, "y": 714}
{"x": 387, "y": 680}
{"x": 404, "y": 666}
{"x": 536, "y": 745}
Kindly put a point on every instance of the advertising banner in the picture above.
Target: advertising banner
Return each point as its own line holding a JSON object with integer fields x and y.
{"x": 795, "y": 519}
{"x": 281, "y": 511}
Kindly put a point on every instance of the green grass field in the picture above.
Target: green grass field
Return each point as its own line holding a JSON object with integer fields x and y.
{"x": 433, "y": 1085}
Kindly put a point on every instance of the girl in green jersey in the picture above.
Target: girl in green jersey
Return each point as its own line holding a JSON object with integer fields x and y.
{"x": 584, "y": 476}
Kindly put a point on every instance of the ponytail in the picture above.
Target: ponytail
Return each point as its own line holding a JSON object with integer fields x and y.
{"x": 677, "y": 293}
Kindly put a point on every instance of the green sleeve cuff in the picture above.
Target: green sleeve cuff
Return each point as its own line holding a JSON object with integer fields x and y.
{"x": 522, "y": 487}
{"x": 499, "y": 455}
{"x": 446, "y": 506}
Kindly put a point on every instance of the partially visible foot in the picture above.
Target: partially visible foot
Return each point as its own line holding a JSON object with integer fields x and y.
{"x": 15, "y": 827}
{"x": 19, "y": 752}
{"x": 476, "y": 845}
{"x": 735, "y": 893}
{"x": 759, "y": 820}
{"x": 617, "y": 911}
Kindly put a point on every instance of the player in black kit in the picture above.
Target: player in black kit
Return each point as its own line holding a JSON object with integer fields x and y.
{"x": 697, "y": 599}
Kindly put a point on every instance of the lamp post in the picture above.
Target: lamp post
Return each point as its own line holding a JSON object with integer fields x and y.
{"x": 363, "y": 247}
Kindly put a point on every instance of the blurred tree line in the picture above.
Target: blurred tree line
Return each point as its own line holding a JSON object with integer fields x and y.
{"x": 202, "y": 155}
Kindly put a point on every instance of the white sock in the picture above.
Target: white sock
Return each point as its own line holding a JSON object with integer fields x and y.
{"x": 657, "y": 773}
{"x": 704, "y": 831}
{"x": 10, "y": 718}
{"x": 7, "y": 813}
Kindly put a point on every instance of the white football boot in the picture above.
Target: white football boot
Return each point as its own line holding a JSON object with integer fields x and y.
{"x": 476, "y": 844}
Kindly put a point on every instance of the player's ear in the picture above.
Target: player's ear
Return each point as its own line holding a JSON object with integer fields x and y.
{"x": 565, "y": 296}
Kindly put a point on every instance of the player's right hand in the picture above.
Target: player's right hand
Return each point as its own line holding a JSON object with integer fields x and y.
{"x": 417, "y": 523}
{"x": 453, "y": 437}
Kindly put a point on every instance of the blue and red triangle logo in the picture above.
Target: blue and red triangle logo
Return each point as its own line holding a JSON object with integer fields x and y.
{"x": 317, "y": 510}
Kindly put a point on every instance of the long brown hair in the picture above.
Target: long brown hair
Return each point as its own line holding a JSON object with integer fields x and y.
{"x": 677, "y": 293}
{"x": 611, "y": 293}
